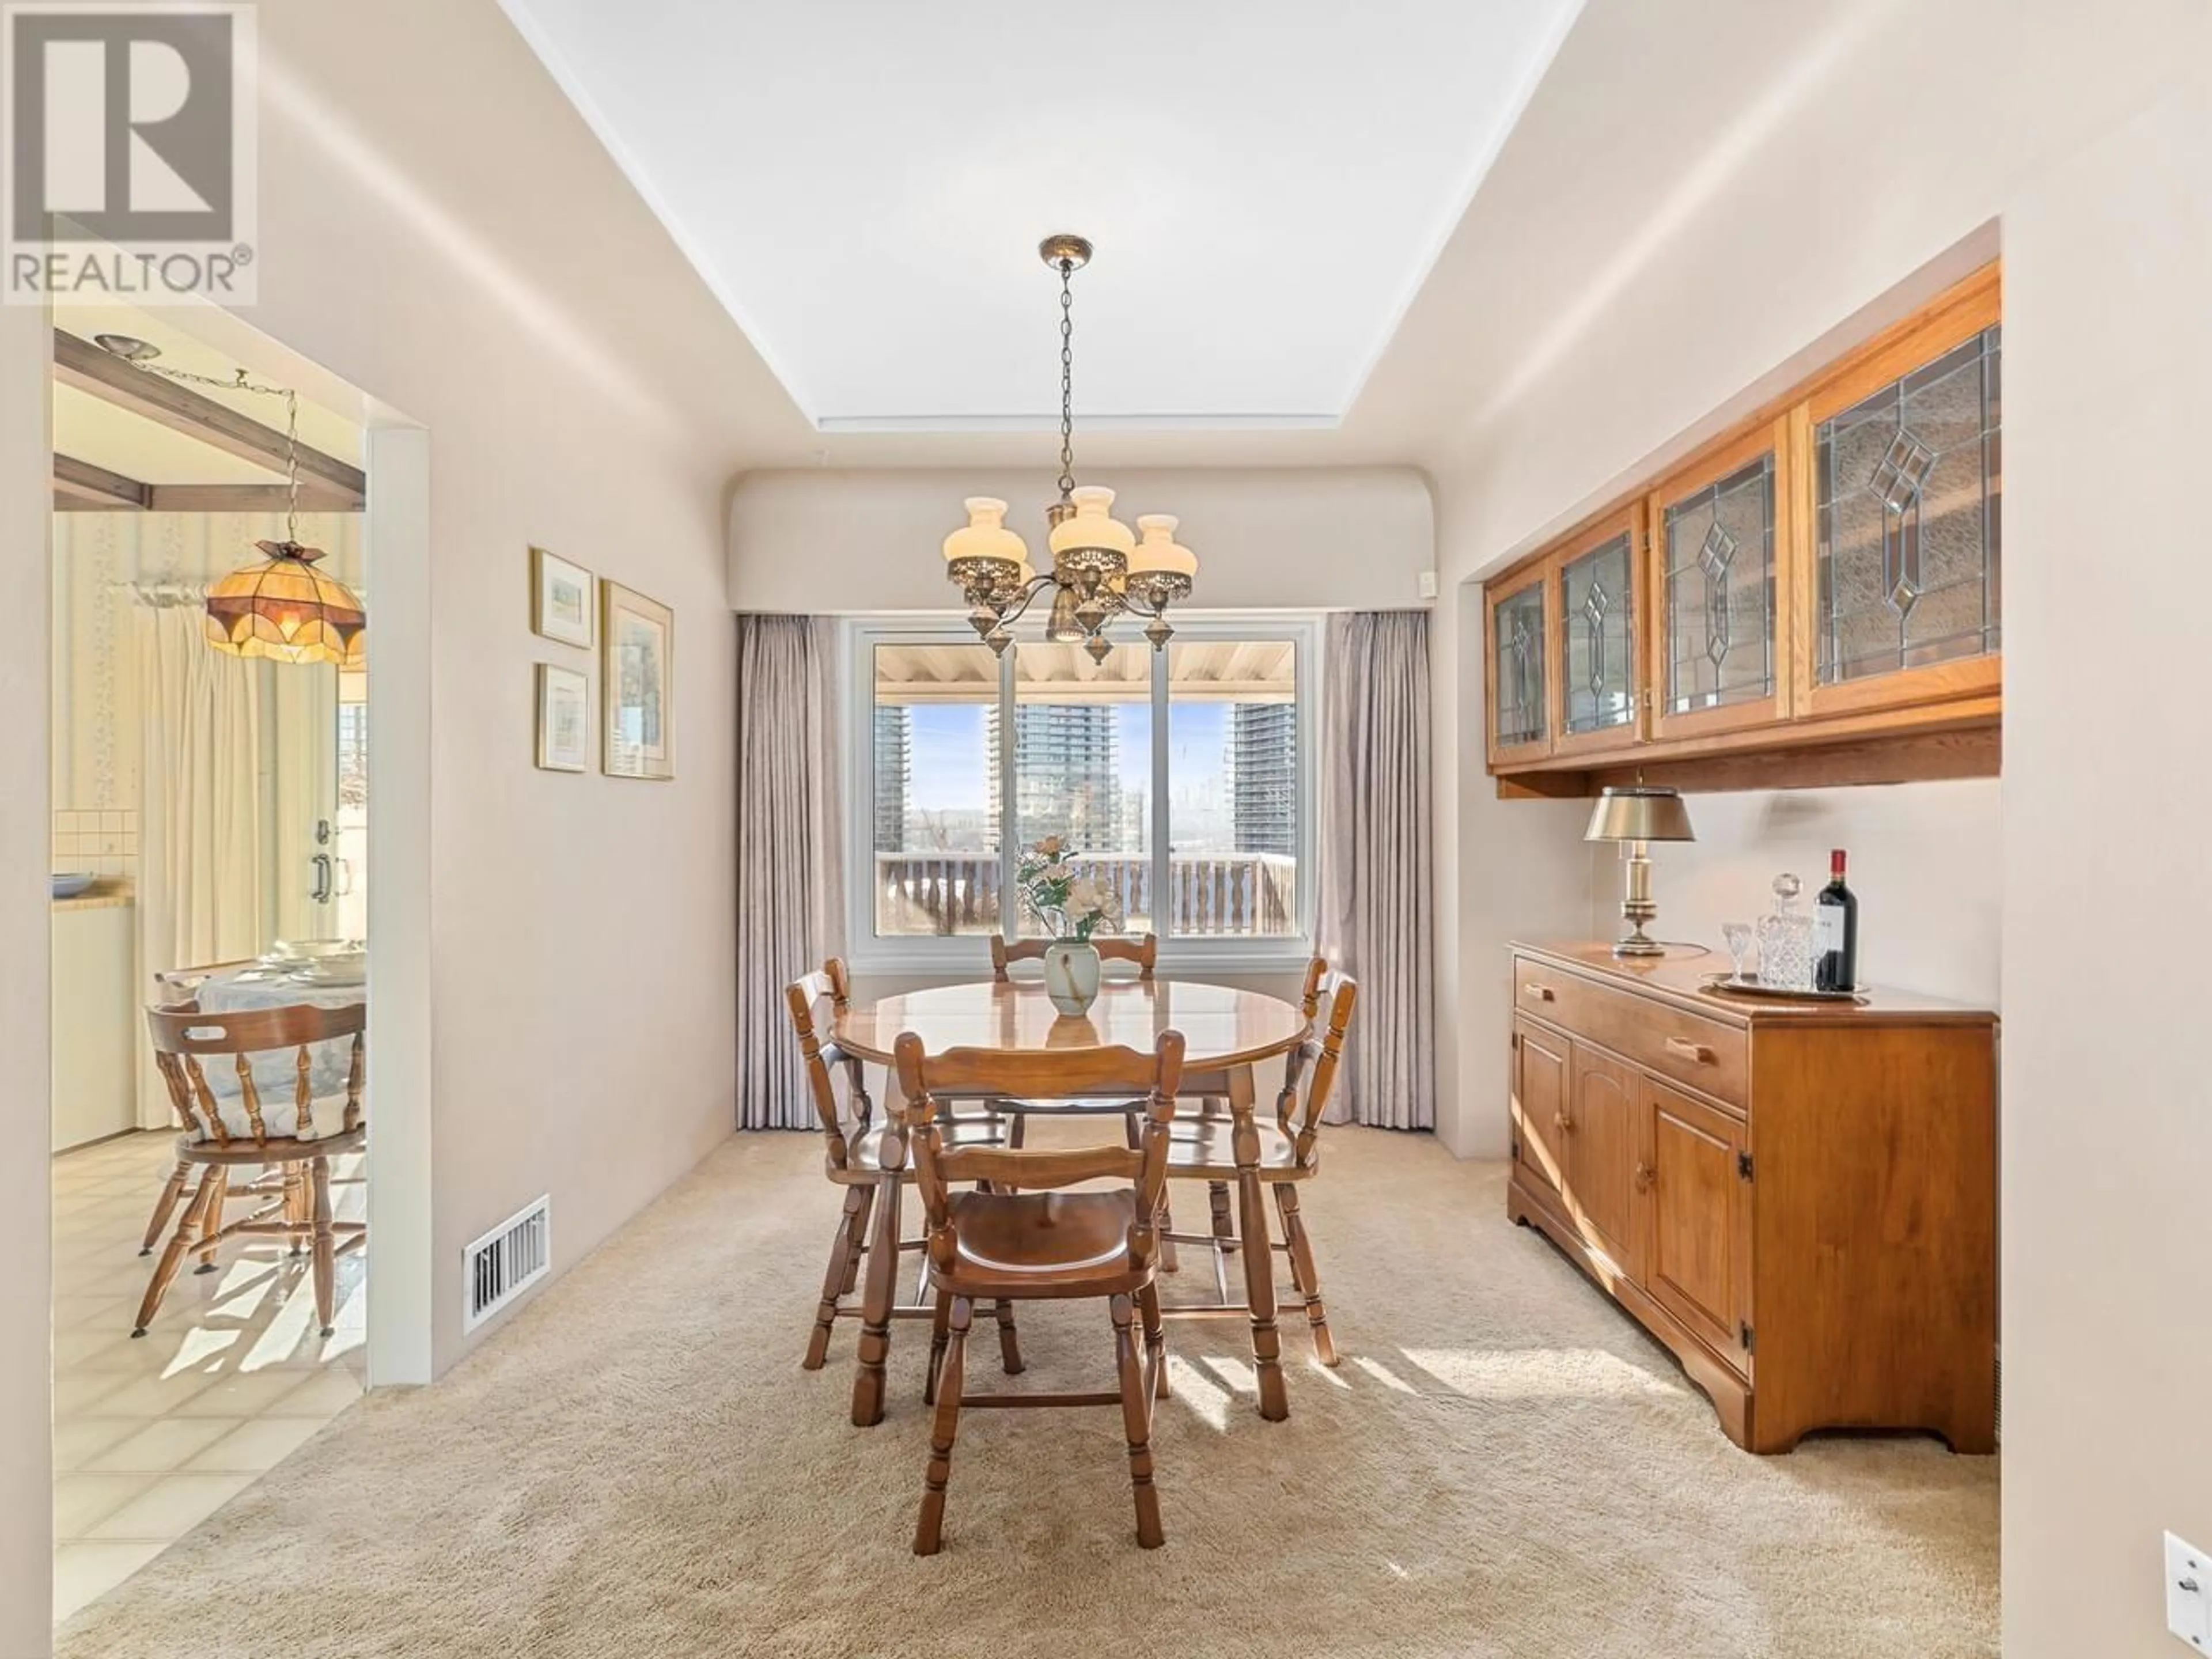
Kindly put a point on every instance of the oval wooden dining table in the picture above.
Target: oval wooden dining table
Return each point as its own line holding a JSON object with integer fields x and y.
{"x": 1226, "y": 1033}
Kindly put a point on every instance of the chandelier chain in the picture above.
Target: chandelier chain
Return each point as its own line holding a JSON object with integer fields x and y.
{"x": 238, "y": 382}
{"x": 1067, "y": 378}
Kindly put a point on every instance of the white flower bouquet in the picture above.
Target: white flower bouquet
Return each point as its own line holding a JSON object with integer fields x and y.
{"x": 1072, "y": 907}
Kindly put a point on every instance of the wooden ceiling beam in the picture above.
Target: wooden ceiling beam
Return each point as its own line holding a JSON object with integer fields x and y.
{"x": 81, "y": 364}
{"x": 81, "y": 487}
{"x": 246, "y": 498}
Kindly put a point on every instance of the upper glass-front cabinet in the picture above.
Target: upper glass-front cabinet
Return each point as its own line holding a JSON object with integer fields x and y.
{"x": 1520, "y": 700}
{"x": 1829, "y": 570}
{"x": 1907, "y": 485}
{"x": 1716, "y": 541}
{"x": 1598, "y": 648}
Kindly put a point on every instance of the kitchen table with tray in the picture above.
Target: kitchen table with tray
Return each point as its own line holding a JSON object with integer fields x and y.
{"x": 325, "y": 972}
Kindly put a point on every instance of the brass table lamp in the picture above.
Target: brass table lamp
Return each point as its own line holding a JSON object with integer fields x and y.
{"x": 1636, "y": 816}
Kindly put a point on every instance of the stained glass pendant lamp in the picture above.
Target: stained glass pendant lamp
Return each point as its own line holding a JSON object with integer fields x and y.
{"x": 280, "y": 607}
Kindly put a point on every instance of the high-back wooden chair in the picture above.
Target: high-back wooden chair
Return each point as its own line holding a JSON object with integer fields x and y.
{"x": 1144, "y": 950}
{"x": 1042, "y": 1242}
{"x": 291, "y": 1132}
{"x": 1204, "y": 1149}
{"x": 869, "y": 1159}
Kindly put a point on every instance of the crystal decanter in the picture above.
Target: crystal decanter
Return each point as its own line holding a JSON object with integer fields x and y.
{"x": 1785, "y": 940}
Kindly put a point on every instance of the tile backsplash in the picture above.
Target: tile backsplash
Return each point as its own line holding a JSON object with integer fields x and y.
{"x": 103, "y": 843}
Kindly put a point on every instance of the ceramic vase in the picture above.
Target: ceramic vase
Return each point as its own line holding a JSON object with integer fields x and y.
{"x": 1071, "y": 975}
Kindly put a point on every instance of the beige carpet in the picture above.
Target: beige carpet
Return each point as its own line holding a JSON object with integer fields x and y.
{"x": 1503, "y": 1466}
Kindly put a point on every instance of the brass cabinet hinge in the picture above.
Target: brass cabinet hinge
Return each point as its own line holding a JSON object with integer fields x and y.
{"x": 1744, "y": 1334}
{"x": 1743, "y": 1166}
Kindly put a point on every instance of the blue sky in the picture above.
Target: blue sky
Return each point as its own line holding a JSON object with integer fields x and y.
{"x": 951, "y": 755}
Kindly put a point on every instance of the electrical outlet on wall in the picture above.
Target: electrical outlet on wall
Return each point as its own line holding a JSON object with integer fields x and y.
{"x": 2189, "y": 1594}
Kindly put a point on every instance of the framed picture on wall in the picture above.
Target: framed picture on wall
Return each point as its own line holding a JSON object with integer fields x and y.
{"x": 564, "y": 719}
{"x": 637, "y": 684}
{"x": 560, "y": 598}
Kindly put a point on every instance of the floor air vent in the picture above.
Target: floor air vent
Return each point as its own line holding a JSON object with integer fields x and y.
{"x": 507, "y": 1262}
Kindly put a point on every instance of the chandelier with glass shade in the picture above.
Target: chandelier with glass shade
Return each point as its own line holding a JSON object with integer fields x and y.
{"x": 1100, "y": 569}
{"x": 280, "y": 607}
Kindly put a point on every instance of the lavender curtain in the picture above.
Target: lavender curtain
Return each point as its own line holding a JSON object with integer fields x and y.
{"x": 790, "y": 863}
{"x": 1378, "y": 894}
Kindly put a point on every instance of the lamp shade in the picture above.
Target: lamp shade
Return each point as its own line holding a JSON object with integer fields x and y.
{"x": 1092, "y": 525}
{"x": 287, "y": 611}
{"x": 1157, "y": 549}
{"x": 1639, "y": 813}
{"x": 985, "y": 536}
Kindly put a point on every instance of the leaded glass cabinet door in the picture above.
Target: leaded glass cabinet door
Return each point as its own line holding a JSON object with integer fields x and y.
{"x": 1518, "y": 611}
{"x": 1717, "y": 533}
{"x": 1906, "y": 488}
{"x": 1596, "y": 699}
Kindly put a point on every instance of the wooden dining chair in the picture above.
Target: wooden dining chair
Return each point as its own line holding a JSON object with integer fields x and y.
{"x": 1205, "y": 1101}
{"x": 1042, "y": 1242}
{"x": 296, "y": 1137}
{"x": 179, "y": 987}
{"x": 1289, "y": 1156}
{"x": 1144, "y": 950}
{"x": 869, "y": 1160}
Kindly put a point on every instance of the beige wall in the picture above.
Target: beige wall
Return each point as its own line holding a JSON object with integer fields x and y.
{"x": 2107, "y": 1153}
{"x": 1781, "y": 249}
{"x": 26, "y": 1035}
{"x": 470, "y": 256}
{"x": 1309, "y": 538}
{"x": 439, "y": 229}
{"x": 1925, "y": 862}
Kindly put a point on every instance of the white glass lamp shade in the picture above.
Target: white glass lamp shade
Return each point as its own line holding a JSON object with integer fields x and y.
{"x": 1092, "y": 524}
{"x": 985, "y": 536}
{"x": 1157, "y": 549}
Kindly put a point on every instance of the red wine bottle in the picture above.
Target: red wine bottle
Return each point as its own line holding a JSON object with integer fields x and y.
{"x": 1836, "y": 931}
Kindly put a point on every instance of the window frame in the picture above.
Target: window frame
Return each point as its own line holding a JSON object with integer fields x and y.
{"x": 951, "y": 955}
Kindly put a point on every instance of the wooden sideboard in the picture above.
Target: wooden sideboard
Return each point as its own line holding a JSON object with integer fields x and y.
{"x": 1798, "y": 1199}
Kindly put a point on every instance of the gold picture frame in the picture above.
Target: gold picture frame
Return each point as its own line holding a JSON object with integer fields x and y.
{"x": 561, "y": 599}
{"x": 637, "y": 685}
{"x": 564, "y": 719}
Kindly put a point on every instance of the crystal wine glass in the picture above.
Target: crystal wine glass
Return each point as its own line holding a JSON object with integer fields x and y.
{"x": 1738, "y": 936}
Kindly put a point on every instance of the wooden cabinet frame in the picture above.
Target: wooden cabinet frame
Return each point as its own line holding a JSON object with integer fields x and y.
{"x": 1495, "y": 594}
{"x": 1938, "y": 720}
{"x": 1629, "y": 521}
{"x": 1709, "y": 466}
{"x": 1963, "y": 313}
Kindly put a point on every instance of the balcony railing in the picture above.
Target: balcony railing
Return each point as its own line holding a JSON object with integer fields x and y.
{"x": 1216, "y": 893}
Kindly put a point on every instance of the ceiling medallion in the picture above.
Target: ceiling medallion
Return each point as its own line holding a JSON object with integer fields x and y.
{"x": 1100, "y": 569}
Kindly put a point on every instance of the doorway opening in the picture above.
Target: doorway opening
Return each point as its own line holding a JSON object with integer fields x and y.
{"x": 212, "y": 841}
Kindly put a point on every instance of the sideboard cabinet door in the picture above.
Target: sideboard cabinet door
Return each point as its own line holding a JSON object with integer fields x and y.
{"x": 1539, "y": 1108}
{"x": 1602, "y": 1155}
{"x": 1696, "y": 1219}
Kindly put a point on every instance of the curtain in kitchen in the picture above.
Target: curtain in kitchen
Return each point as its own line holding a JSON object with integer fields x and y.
{"x": 201, "y": 886}
{"x": 1376, "y": 862}
{"x": 790, "y": 874}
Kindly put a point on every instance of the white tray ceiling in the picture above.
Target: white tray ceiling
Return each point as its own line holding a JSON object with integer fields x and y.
{"x": 864, "y": 183}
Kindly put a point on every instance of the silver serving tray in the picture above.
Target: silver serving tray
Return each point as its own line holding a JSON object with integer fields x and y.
{"x": 1748, "y": 986}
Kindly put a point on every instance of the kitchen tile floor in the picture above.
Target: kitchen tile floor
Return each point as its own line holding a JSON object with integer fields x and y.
{"x": 153, "y": 1436}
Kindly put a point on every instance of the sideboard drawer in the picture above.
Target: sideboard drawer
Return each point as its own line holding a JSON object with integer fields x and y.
{"x": 1703, "y": 1055}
